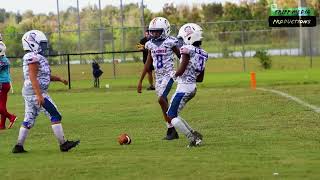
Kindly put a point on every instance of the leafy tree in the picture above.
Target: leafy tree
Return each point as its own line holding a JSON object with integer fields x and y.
{"x": 184, "y": 13}
{"x": 234, "y": 12}
{"x": 287, "y": 3}
{"x": 260, "y": 9}
{"x": 2, "y": 15}
{"x": 212, "y": 11}
{"x": 18, "y": 18}
{"x": 195, "y": 15}
{"x": 13, "y": 41}
{"x": 17, "y": 23}
{"x": 169, "y": 9}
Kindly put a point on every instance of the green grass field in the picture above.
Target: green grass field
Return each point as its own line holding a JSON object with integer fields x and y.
{"x": 248, "y": 134}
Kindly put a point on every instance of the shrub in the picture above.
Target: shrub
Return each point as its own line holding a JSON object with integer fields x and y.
{"x": 264, "y": 59}
{"x": 14, "y": 62}
{"x": 225, "y": 51}
{"x": 136, "y": 58}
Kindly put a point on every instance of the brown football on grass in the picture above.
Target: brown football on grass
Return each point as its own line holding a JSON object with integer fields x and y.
{"x": 124, "y": 139}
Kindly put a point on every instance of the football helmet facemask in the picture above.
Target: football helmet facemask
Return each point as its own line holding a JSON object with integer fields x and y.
{"x": 161, "y": 25}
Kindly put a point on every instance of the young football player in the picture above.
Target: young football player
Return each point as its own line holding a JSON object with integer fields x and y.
{"x": 5, "y": 86}
{"x": 37, "y": 77}
{"x": 161, "y": 47}
{"x": 190, "y": 71}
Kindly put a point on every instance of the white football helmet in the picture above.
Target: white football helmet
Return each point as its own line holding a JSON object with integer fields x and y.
{"x": 34, "y": 41}
{"x": 2, "y": 49}
{"x": 190, "y": 33}
{"x": 160, "y": 24}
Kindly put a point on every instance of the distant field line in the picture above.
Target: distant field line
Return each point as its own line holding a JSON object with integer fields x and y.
{"x": 299, "y": 101}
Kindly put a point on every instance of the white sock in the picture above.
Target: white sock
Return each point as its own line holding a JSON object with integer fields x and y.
{"x": 58, "y": 132}
{"x": 23, "y": 133}
{"x": 178, "y": 124}
{"x": 169, "y": 125}
{"x": 185, "y": 123}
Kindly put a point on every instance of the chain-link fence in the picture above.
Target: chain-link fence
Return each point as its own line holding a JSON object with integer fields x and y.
{"x": 238, "y": 38}
{"x": 223, "y": 40}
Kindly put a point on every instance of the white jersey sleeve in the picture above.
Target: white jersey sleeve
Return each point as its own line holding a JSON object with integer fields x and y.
{"x": 30, "y": 58}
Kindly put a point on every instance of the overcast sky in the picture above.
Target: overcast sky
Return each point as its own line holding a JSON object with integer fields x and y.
{"x": 46, "y": 6}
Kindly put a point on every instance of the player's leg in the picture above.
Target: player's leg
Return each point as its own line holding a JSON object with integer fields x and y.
{"x": 173, "y": 115}
{"x": 163, "y": 90}
{"x": 171, "y": 131}
{"x": 183, "y": 103}
{"x": 150, "y": 78}
{"x": 31, "y": 112}
{"x": 12, "y": 118}
{"x": 178, "y": 101}
{"x": 194, "y": 132}
{"x": 3, "y": 117}
{"x": 55, "y": 117}
{"x": 95, "y": 82}
{"x": 5, "y": 87}
{"x": 2, "y": 108}
{"x": 2, "y": 122}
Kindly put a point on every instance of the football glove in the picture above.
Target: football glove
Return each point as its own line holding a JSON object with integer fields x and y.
{"x": 140, "y": 46}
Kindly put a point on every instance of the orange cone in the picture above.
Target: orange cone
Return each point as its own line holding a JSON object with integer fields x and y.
{"x": 253, "y": 80}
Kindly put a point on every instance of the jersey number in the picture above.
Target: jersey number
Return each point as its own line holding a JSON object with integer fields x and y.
{"x": 200, "y": 64}
{"x": 159, "y": 61}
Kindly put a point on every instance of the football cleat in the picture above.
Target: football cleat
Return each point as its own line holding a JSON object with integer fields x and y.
{"x": 151, "y": 88}
{"x": 197, "y": 135}
{"x": 195, "y": 142}
{"x": 171, "y": 134}
{"x": 65, "y": 147}
{"x": 18, "y": 149}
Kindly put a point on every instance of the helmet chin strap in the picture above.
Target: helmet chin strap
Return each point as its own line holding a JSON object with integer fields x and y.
{"x": 160, "y": 38}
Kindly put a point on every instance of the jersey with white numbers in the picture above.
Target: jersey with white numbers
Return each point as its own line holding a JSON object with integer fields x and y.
{"x": 162, "y": 55}
{"x": 197, "y": 62}
{"x": 43, "y": 76}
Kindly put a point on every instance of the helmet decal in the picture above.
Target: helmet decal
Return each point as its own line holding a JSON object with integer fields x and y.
{"x": 190, "y": 33}
{"x": 32, "y": 37}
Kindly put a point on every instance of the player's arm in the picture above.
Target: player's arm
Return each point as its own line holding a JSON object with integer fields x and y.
{"x": 56, "y": 78}
{"x": 140, "y": 45}
{"x": 185, "y": 58}
{"x": 145, "y": 70}
{"x": 33, "y": 72}
{"x": 176, "y": 51}
{"x": 200, "y": 76}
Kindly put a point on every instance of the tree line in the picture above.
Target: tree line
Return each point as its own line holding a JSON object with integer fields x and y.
{"x": 14, "y": 24}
